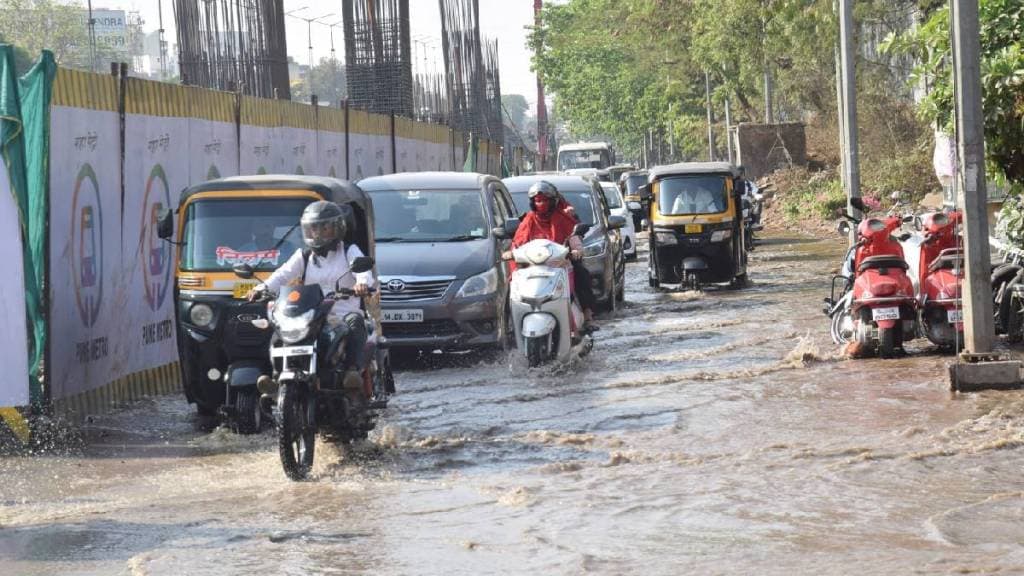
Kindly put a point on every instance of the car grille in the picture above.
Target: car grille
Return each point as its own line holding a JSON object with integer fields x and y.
{"x": 427, "y": 329}
{"x": 413, "y": 291}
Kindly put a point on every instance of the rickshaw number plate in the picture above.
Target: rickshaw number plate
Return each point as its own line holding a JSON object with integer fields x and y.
{"x": 885, "y": 313}
{"x": 401, "y": 315}
{"x": 693, "y": 228}
{"x": 242, "y": 288}
{"x": 955, "y": 316}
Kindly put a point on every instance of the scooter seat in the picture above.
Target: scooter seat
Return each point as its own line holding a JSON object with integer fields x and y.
{"x": 876, "y": 262}
{"x": 949, "y": 258}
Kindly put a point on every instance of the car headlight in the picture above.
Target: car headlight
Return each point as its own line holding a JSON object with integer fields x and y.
{"x": 595, "y": 248}
{"x": 295, "y": 328}
{"x": 720, "y": 235}
{"x": 201, "y": 315}
{"x": 666, "y": 238}
{"x": 480, "y": 285}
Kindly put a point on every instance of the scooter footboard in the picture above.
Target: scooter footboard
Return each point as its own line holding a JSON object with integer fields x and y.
{"x": 538, "y": 324}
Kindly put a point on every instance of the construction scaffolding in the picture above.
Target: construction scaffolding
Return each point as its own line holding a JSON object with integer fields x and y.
{"x": 378, "y": 59}
{"x": 430, "y": 98}
{"x": 471, "y": 71}
{"x": 233, "y": 45}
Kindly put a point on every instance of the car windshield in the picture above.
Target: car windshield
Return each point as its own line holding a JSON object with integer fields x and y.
{"x": 220, "y": 233}
{"x": 429, "y": 216}
{"x": 611, "y": 196}
{"x": 581, "y": 202}
{"x": 572, "y": 159}
{"x": 634, "y": 182}
{"x": 684, "y": 195}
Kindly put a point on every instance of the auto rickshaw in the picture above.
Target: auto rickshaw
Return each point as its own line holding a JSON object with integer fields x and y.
{"x": 695, "y": 225}
{"x": 233, "y": 233}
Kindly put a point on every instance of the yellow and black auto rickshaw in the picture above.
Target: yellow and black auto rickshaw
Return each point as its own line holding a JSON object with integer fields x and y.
{"x": 229, "y": 229}
{"x": 694, "y": 219}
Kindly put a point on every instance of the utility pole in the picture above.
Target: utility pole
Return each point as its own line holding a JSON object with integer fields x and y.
{"x": 92, "y": 39}
{"x": 840, "y": 101}
{"x": 769, "y": 88}
{"x": 161, "y": 43}
{"x": 851, "y": 160}
{"x": 728, "y": 131}
{"x": 711, "y": 117}
{"x": 978, "y": 329}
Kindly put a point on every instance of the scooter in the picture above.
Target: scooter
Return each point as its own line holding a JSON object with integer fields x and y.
{"x": 939, "y": 273}
{"x": 548, "y": 322}
{"x": 308, "y": 381}
{"x": 877, "y": 308}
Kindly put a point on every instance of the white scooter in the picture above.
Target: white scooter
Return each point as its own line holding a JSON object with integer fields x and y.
{"x": 542, "y": 305}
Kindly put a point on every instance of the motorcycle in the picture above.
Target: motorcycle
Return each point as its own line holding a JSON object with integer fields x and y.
{"x": 938, "y": 271}
{"x": 877, "y": 308}
{"x": 548, "y": 322}
{"x": 307, "y": 381}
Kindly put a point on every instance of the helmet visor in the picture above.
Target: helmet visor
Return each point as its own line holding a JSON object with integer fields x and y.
{"x": 319, "y": 234}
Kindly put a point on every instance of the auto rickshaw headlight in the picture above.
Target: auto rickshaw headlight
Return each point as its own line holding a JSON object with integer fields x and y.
{"x": 666, "y": 238}
{"x": 201, "y": 315}
{"x": 721, "y": 235}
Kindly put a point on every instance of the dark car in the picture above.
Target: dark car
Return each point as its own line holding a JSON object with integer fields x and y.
{"x": 440, "y": 236}
{"x": 602, "y": 245}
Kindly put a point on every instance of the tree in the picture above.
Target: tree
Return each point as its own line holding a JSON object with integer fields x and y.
{"x": 1002, "y": 63}
{"x": 515, "y": 107}
{"x": 329, "y": 83}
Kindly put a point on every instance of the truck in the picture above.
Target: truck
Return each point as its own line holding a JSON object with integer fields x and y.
{"x": 598, "y": 155}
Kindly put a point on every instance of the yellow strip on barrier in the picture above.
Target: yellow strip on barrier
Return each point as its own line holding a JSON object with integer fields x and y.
{"x": 16, "y": 423}
{"x": 79, "y": 89}
{"x": 157, "y": 381}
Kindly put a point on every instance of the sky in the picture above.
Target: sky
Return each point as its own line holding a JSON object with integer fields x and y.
{"x": 504, "y": 20}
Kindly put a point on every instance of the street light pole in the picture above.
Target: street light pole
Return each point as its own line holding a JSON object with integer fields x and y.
{"x": 92, "y": 39}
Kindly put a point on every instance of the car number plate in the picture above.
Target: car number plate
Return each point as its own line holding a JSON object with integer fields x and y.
{"x": 242, "y": 288}
{"x": 955, "y": 316}
{"x": 885, "y": 313}
{"x": 402, "y": 315}
{"x": 693, "y": 228}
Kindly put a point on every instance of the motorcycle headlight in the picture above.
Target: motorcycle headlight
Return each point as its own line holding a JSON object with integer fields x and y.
{"x": 480, "y": 285}
{"x": 720, "y": 235}
{"x": 294, "y": 328}
{"x": 595, "y": 248}
{"x": 666, "y": 238}
{"x": 201, "y": 315}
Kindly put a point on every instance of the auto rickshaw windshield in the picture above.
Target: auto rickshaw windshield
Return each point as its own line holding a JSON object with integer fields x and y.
{"x": 220, "y": 233}
{"x": 687, "y": 195}
{"x": 634, "y": 182}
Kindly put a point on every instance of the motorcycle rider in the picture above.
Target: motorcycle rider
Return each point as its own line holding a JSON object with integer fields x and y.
{"x": 548, "y": 219}
{"x": 325, "y": 262}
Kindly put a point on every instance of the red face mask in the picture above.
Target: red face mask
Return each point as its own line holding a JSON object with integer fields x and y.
{"x": 542, "y": 203}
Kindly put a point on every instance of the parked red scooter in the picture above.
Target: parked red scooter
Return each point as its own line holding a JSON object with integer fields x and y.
{"x": 877, "y": 311}
{"x": 940, "y": 277}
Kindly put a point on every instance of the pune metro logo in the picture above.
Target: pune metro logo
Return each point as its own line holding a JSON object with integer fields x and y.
{"x": 87, "y": 245}
{"x": 155, "y": 253}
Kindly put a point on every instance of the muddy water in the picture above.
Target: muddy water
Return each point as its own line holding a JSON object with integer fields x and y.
{"x": 710, "y": 434}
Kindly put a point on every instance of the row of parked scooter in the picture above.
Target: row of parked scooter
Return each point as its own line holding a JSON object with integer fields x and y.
{"x": 900, "y": 280}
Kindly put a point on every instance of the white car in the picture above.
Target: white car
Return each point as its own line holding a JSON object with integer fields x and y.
{"x": 613, "y": 197}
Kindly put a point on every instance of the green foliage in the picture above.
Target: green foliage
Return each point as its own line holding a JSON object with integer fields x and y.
{"x": 1002, "y": 33}
{"x": 55, "y": 25}
{"x": 329, "y": 83}
{"x": 816, "y": 197}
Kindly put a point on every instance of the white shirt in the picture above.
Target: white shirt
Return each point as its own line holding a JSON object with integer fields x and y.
{"x": 325, "y": 272}
{"x": 699, "y": 201}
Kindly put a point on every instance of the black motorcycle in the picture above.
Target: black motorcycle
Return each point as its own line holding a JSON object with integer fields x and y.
{"x": 308, "y": 378}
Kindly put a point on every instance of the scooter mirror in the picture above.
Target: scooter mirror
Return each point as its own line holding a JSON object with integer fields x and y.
{"x": 895, "y": 196}
{"x": 362, "y": 264}
{"x": 843, "y": 228}
{"x": 581, "y": 229}
{"x": 909, "y": 219}
{"x": 918, "y": 224}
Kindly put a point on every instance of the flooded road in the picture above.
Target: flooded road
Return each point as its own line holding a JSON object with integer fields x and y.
{"x": 719, "y": 433}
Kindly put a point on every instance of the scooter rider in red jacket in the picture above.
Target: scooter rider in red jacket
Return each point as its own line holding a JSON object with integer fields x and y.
{"x": 548, "y": 219}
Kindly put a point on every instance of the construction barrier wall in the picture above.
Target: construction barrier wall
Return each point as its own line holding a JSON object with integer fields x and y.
{"x": 122, "y": 150}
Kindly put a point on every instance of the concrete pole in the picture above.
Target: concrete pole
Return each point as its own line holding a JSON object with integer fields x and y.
{"x": 728, "y": 131}
{"x": 711, "y": 117}
{"x": 841, "y": 106}
{"x": 848, "y": 77}
{"x": 978, "y": 323}
{"x": 92, "y": 39}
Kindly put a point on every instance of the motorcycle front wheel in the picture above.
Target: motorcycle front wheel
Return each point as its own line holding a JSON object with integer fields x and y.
{"x": 296, "y": 433}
